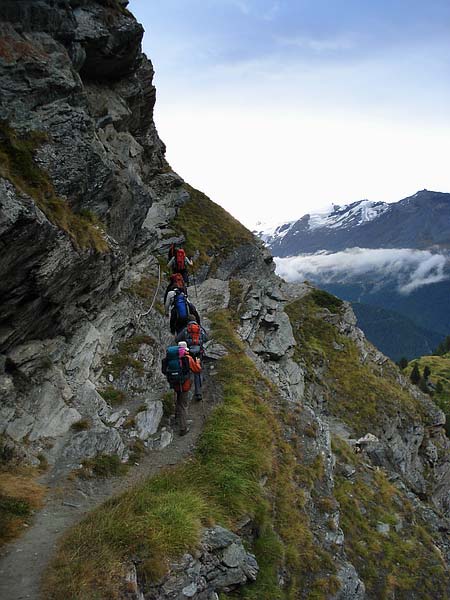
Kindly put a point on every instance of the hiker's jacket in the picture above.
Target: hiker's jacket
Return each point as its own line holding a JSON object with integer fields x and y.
{"x": 194, "y": 367}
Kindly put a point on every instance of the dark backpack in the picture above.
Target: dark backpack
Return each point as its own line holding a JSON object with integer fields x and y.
{"x": 180, "y": 259}
{"x": 180, "y": 305}
{"x": 175, "y": 367}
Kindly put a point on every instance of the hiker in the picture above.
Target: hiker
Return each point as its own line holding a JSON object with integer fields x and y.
{"x": 195, "y": 336}
{"x": 172, "y": 251}
{"x": 180, "y": 308}
{"x": 176, "y": 281}
{"x": 177, "y": 366}
{"x": 179, "y": 264}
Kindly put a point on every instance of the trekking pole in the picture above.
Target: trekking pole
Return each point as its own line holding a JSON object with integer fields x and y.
{"x": 154, "y": 297}
{"x": 195, "y": 284}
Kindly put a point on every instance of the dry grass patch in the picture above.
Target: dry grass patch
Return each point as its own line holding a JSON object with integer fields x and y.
{"x": 20, "y": 496}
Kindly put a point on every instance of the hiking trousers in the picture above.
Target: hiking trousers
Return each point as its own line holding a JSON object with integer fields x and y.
{"x": 198, "y": 383}
{"x": 181, "y": 409}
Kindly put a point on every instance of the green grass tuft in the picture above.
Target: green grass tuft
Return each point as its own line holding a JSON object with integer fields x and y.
{"x": 113, "y": 396}
{"x": 103, "y": 465}
{"x": 325, "y": 300}
{"x": 81, "y": 425}
{"x": 115, "y": 364}
{"x": 20, "y": 495}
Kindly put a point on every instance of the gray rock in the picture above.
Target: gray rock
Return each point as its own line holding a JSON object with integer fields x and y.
{"x": 233, "y": 555}
{"x": 383, "y": 528}
{"x": 221, "y": 564}
{"x": 91, "y": 443}
{"x": 147, "y": 421}
{"x": 351, "y": 586}
{"x": 165, "y": 439}
{"x": 218, "y": 537}
{"x": 214, "y": 350}
{"x": 190, "y": 590}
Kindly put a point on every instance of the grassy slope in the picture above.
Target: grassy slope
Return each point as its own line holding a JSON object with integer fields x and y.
{"x": 17, "y": 164}
{"x": 440, "y": 371}
{"x": 208, "y": 228}
{"x": 163, "y": 517}
{"x": 403, "y": 563}
{"x": 360, "y": 394}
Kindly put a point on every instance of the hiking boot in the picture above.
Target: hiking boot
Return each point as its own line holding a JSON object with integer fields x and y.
{"x": 198, "y": 397}
{"x": 184, "y": 431}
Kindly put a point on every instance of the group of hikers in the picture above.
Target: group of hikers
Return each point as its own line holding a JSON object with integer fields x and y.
{"x": 183, "y": 360}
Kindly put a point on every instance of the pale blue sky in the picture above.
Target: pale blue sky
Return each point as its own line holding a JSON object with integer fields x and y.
{"x": 276, "y": 108}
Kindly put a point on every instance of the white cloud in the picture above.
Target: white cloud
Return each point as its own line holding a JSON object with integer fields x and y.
{"x": 332, "y": 44}
{"x": 269, "y": 164}
{"x": 411, "y": 269}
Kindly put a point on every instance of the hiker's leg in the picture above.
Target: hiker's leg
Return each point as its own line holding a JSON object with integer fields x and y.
{"x": 182, "y": 405}
{"x": 177, "y": 410}
{"x": 198, "y": 383}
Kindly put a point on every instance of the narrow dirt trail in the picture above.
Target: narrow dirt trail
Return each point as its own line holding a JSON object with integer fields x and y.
{"x": 23, "y": 562}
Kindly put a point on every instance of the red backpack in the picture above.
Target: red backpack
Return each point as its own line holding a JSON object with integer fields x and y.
{"x": 179, "y": 259}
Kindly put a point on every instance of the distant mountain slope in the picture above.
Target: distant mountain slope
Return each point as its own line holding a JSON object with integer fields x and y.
{"x": 427, "y": 307}
{"x": 394, "y": 334}
{"x": 419, "y": 221}
{"x": 440, "y": 378}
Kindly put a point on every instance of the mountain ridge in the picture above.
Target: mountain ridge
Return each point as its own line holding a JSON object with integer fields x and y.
{"x": 368, "y": 224}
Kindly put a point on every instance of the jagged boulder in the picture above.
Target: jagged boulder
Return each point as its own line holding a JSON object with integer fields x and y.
{"x": 221, "y": 564}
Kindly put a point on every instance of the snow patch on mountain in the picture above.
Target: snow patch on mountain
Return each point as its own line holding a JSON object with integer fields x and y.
{"x": 268, "y": 233}
{"x": 410, "y": 268}
{"x": 350, "y": 215}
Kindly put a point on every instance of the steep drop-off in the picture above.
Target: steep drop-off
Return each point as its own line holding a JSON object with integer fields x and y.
{"x": 320, "y": 472}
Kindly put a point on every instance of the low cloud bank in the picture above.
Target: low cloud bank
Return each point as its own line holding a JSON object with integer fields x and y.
{"x": 410, "y": 268}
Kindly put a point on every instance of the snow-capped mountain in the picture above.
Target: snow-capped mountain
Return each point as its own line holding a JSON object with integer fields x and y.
{"x": 419, "y": 221}
{"x": 393, "y": 260}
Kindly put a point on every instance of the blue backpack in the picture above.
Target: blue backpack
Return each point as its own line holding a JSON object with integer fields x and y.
{"x": 175, "y": 367}
{"x": 181, "y": 306}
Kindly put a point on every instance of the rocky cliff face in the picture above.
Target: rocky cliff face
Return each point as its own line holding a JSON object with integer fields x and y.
{"x": 348, "y": 473}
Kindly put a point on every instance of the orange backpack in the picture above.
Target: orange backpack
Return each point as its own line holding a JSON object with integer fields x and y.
{"x": 193, "y": 337}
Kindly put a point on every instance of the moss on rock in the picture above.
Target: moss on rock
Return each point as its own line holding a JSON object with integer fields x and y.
{"x": 17, "y": 165}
